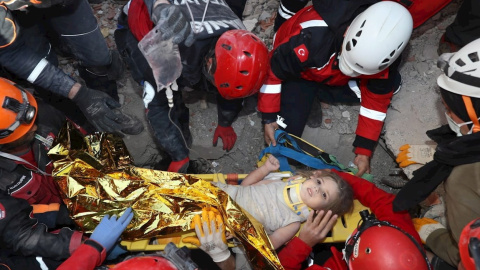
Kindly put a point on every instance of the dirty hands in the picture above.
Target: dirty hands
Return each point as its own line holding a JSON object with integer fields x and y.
{"x": 228, "y": 136}
{"x": 269, "y": 133}
{"x": 173, "y": 24}
{"x": 102, "y": 111}
{"x": 210, "y": 231}
{"x": 109, "y": 229}
{"x": 317, "y": 227}
{"x": 363, "y": 164}
{"x": 415, "y": 154}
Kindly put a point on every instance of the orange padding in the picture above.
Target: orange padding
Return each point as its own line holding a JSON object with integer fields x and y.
{"x": 232, "y": 179}
{"x": 43, "y": 208}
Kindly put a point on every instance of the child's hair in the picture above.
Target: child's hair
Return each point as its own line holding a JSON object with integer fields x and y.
{"x": 344, "y": 203}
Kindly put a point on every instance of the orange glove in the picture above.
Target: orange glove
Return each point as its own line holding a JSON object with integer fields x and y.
{"x": 415, "y": 154}
{"x": 425, "y": 226}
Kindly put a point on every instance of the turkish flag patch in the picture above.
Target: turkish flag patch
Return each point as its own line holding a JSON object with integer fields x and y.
{"x": 3, "y": 214}
{"x": 302, "y": 53}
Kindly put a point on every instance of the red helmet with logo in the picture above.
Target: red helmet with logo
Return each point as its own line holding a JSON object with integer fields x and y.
{"x": 380, "y": 245}
{"x": 18, "y": 111}
{"x": 469, "y": 245}
{"x": 241, "y": 64}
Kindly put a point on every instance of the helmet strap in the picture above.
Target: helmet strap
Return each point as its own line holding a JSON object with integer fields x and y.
{"x": 471, "y": 113}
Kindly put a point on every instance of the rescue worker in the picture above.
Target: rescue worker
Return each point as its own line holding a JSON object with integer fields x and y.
{"x": 456, "y": 161}
{"x": 369, "y": 247}
{"x": 217, "y": 55}
{"x": 26, "y": 52}
{"x": 341, "y": 51}
{"x": 172, "y": 258}
{"x": 27, "y": 131}
{"x": 26, "y": 243}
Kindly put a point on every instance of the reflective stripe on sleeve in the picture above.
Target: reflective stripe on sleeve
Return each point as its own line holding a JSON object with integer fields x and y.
{"x": 37, "y": 70}
{"x": 372, "y": 114}
{"x": 313, "y": 23}
{"x": 271, "y": 89}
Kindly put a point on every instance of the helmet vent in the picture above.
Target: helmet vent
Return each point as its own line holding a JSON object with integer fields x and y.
{"x": 383, "y": 66}
{"x": 361, "y": 26}
{"x": 357, "y": 64}
{"x": 354, "y": 42}
{"x": 227, "y": 47}
{"x": 473, "y": 57}
{"x": 398, "y": 48}
{"x": 368, "y": 250}
{"x": 359, "y": 33}
{"x": 247, "y": 54}
{"x": 225, "y": 85}
{"x": 460, "y": 62}
{"x": 239, "y": 87}
{"x": 348, "y": 46}
{"x": 244, "y": 72}
{"x": 392, "y": 53}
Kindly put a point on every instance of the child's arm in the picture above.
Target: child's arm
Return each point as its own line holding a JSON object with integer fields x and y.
{"x": 272, "y": 164}
{"x": 284, "y": 234}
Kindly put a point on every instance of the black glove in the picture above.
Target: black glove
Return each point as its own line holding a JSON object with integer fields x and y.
{"x": 173, "y": 24}
{"x": 102, "y": 112}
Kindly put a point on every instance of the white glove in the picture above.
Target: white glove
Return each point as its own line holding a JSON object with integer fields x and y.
{"x": 415, "y": 154}
{"x": 211, "y": 233}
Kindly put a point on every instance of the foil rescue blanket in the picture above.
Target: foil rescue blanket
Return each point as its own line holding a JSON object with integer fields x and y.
{"x": 96, "y": 177}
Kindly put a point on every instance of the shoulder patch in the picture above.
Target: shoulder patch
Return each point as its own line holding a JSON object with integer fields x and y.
{"x": 3, "y": 213}
{"x": 302, "y": 53}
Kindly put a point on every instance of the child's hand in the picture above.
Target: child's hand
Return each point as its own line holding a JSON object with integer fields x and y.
{"x": 272, "y": 163}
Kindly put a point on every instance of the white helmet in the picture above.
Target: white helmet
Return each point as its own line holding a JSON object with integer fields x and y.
{"x": 375, "y": 39}
{"x": 461, "y": 70}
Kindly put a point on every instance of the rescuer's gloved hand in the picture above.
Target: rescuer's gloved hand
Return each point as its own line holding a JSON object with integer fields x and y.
{"x": 415, "y": 154}
{"x": 228, "y": 135}
{"x": 173, "y": 24}
{"x": 102, "y": 112}
{"x": 211, "y": 238}
{"x": 109, "y": 229}
{"x": 425, "y": 226}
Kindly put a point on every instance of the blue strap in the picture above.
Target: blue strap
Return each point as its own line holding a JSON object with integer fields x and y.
{"x": 282, "y": 153}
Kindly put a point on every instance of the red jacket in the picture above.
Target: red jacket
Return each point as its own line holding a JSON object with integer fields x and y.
{"x": 379, "y": 202}
{"x": 304, "y": 47}
{"x": 88, "y": 256}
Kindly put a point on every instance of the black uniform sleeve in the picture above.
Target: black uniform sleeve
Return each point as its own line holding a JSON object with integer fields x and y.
{"x": 19, "y": 59}
{"x": 228, "y": 110}
{"x": 24, "y": 236}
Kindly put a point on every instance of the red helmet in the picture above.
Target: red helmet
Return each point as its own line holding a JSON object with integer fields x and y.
{"x": 241, "y": 64}
{"x": 469, "y": 245}
{"x": 145, "y": 263}
{"x": 380, "y": 245}
{"x": 18, "y": 111}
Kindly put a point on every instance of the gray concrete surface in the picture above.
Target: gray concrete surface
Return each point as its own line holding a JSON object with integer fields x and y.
{"x": 415, "y": 109}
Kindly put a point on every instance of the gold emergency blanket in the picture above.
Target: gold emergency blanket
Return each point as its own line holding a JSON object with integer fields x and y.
{"x": 96, "y": 177}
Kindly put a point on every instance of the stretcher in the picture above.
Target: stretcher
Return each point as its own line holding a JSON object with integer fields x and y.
{"x": 341, "y": 231}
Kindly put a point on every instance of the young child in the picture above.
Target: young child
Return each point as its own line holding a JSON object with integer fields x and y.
{"x": 282, "y": 206}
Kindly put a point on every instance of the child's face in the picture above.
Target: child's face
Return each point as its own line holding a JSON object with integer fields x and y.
{"x": 319, "y": 192}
